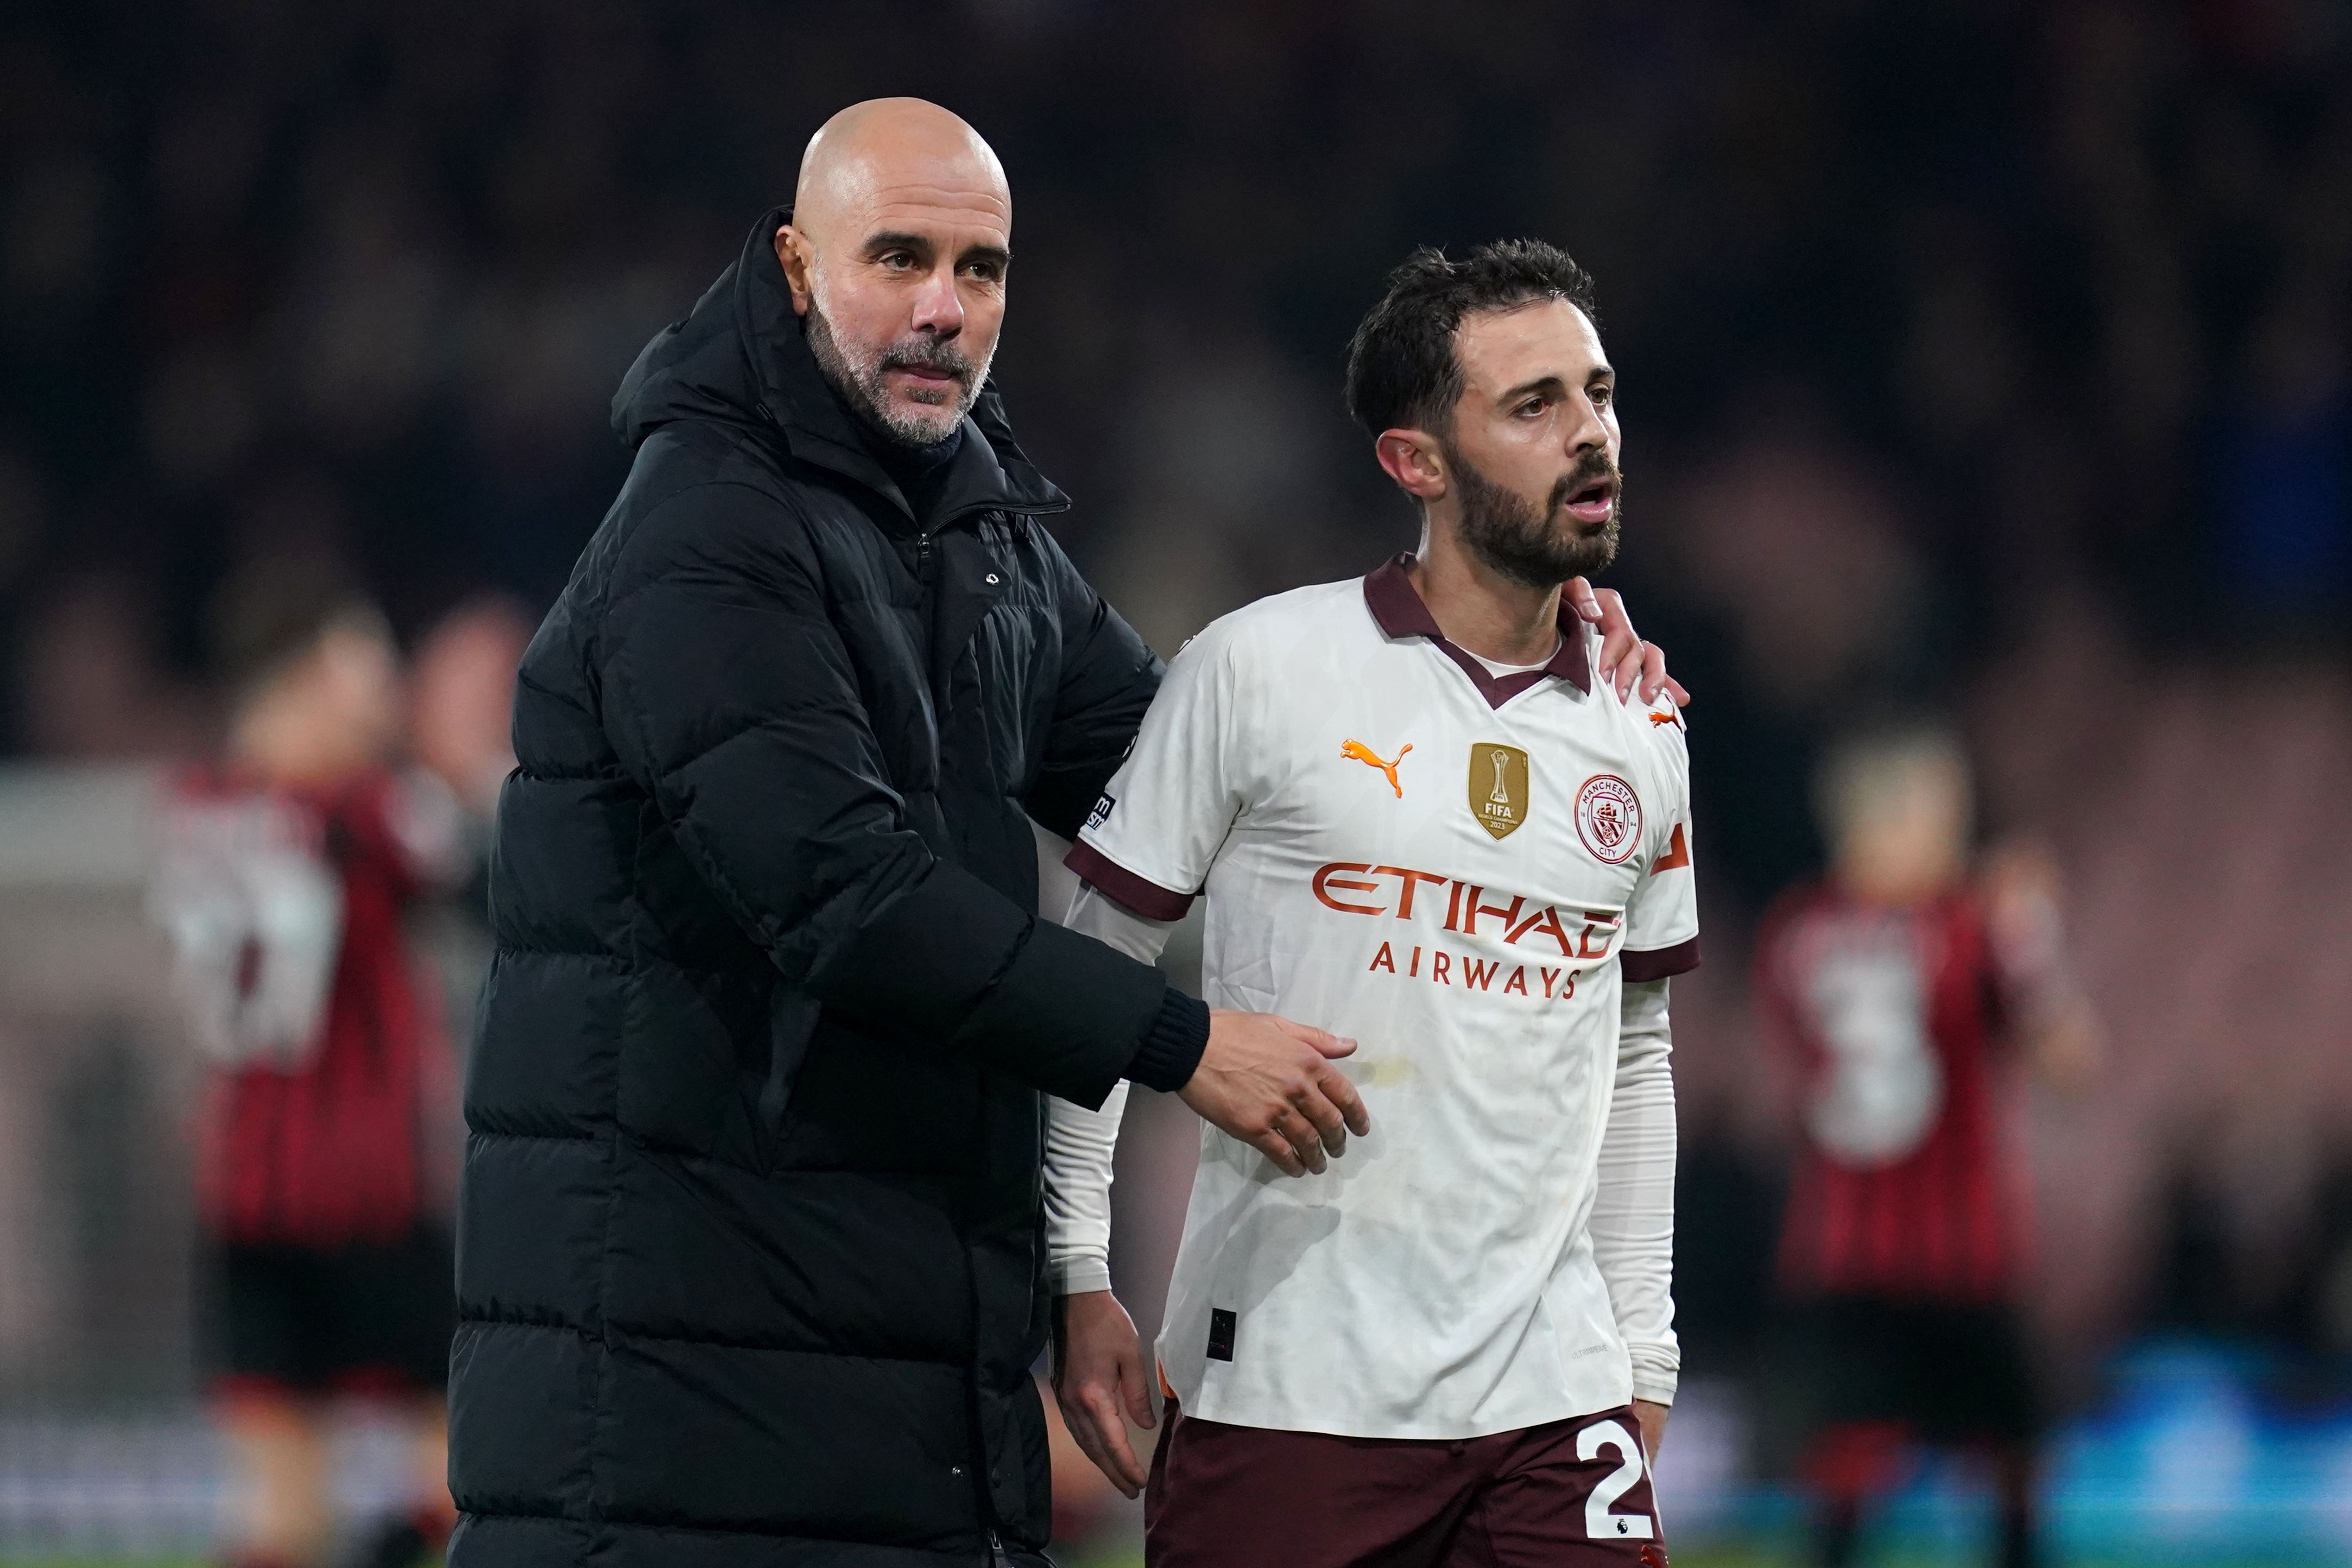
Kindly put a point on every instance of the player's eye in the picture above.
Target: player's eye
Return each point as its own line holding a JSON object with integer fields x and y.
{"x": 1530, "y": 408}
{"x": 986, "y": 271}
{"x": 1602, "y": 394}
{"x": 896, "y": 261}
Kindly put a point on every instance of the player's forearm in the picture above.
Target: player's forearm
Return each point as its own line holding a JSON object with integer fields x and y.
{"x": 1632, "y": 1224}
{"x": 1080, "y": 1144}
{"x": 1080, "y": 1148}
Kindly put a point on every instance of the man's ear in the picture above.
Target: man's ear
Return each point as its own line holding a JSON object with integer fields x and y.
{"x": 1411, "y": 457}
{"x": 798, "y": 259}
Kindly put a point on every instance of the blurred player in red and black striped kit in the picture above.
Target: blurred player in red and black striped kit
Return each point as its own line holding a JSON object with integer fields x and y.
{"x": 1904, "y": 987}
{"x": 290, "y": 870}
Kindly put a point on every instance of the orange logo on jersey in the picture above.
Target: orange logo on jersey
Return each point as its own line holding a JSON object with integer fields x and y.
{"x": 1356, "y": 751}
{"x": 1674, "y": 718}
{"x": 1466, "y": 904}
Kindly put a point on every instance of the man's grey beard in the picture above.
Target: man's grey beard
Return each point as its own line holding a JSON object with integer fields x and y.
{"x": 1518, "y": 541}
{"x": 858, "y": 376}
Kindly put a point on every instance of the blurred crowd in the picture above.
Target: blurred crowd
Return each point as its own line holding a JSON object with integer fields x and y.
{"x": 1990, "y": 363}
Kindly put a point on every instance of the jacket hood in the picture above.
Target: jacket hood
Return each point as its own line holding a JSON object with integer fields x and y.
{"x": 741, "y": 356}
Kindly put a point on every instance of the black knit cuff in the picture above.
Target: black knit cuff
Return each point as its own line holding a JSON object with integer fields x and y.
{"x": 1172, "y": 1050}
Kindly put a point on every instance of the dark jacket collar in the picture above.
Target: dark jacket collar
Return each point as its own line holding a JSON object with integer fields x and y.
{"x": 1397, "y": 608}
{"x": 742, "y": 355}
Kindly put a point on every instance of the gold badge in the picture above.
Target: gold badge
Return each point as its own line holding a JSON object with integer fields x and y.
{"x": 1498, "y": 787}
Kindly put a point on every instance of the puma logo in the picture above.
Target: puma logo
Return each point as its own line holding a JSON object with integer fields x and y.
{"x": 1664, "y": 719}
{"x": 1355, "y": 751}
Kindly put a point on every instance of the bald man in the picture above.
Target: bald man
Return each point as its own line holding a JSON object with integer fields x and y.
{"x": 750, "y": 1260}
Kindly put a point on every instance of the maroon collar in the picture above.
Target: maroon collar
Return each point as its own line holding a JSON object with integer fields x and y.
{"x": 1396, "y": 605}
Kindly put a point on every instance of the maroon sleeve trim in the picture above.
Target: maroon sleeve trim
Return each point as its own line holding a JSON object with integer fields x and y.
{"x": 1660, "y": 962}
{"x": 1115, "y": 881}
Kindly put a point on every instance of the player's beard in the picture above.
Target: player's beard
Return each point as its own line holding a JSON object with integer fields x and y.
{"x": 1537, "y": 548}
{"x": 856, "y": 372}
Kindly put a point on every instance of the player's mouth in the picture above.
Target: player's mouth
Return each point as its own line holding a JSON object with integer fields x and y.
{"x": 929, "y": 373}
{"x": 1593, "y": 504}
{"x": 928, "y": 387}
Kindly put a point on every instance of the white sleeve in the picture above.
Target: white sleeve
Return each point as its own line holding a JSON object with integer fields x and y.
{"x": 1152, "y": 838}
{"x": 1632, "y": 1224}
{"x": 1080, "y": 1144}
{"x": 428, "y": 823}
{"x": 1662, "y": 916}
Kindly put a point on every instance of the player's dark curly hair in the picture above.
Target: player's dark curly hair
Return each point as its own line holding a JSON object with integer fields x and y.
{"x": 1402, "y": 368}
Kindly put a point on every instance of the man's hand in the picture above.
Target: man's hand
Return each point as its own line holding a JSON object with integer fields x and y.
{"x": 1648, "y": 1412}
{"x": 1267, "y": 1082}
{"x": 1099, "y": 1382}
{"x": 2021, "y": 886}
{"x": 1625, "y": 658}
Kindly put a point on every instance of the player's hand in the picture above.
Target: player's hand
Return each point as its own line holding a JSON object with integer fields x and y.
{"x": 1099, "y": 1382}
{"x": 1270, "y": 1083}
{"x": 1648, "y": 1412}
{"x": 2021, "y": 884}
{"x": 1625, "y": 658}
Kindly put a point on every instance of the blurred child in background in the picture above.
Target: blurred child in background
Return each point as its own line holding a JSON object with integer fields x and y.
{"x": 1902, "y": 986}
{"x": 291, "y": 866}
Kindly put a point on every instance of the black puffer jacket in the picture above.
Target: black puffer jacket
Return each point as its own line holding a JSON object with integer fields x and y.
{"x": 751, "y": 1252}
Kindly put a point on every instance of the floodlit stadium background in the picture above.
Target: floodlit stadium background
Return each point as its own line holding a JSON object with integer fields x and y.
{"x": 1988, "y": 360}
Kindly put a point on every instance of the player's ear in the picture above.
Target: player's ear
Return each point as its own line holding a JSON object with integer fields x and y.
{"x": 794, "y": 255}
{"x": 1411, "y": 457}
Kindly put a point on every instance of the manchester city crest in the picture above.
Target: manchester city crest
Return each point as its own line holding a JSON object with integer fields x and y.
{"x": 1609, "y": 819}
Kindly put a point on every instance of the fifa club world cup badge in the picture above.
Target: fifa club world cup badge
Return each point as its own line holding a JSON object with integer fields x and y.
{"x": 1498, "y": 787}
{"x": 1609, "y": 819}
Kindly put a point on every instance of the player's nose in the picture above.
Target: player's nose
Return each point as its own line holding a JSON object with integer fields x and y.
{"x": 939, "y": 308}
{"x": 1588, "y": 431}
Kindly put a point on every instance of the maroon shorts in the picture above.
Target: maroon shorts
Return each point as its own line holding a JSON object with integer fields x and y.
{"x": 1559, "y": 1495}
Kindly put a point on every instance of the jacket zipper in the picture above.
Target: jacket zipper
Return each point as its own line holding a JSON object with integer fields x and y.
{"x": 996, "y": 1548}
{"x": 922, "y": 558}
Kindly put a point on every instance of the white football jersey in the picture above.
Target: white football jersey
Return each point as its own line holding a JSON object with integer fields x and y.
{"x": 1459, "y": 871}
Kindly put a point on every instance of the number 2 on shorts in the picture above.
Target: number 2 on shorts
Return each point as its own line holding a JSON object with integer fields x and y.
{"x": 1598, "y": 1523}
